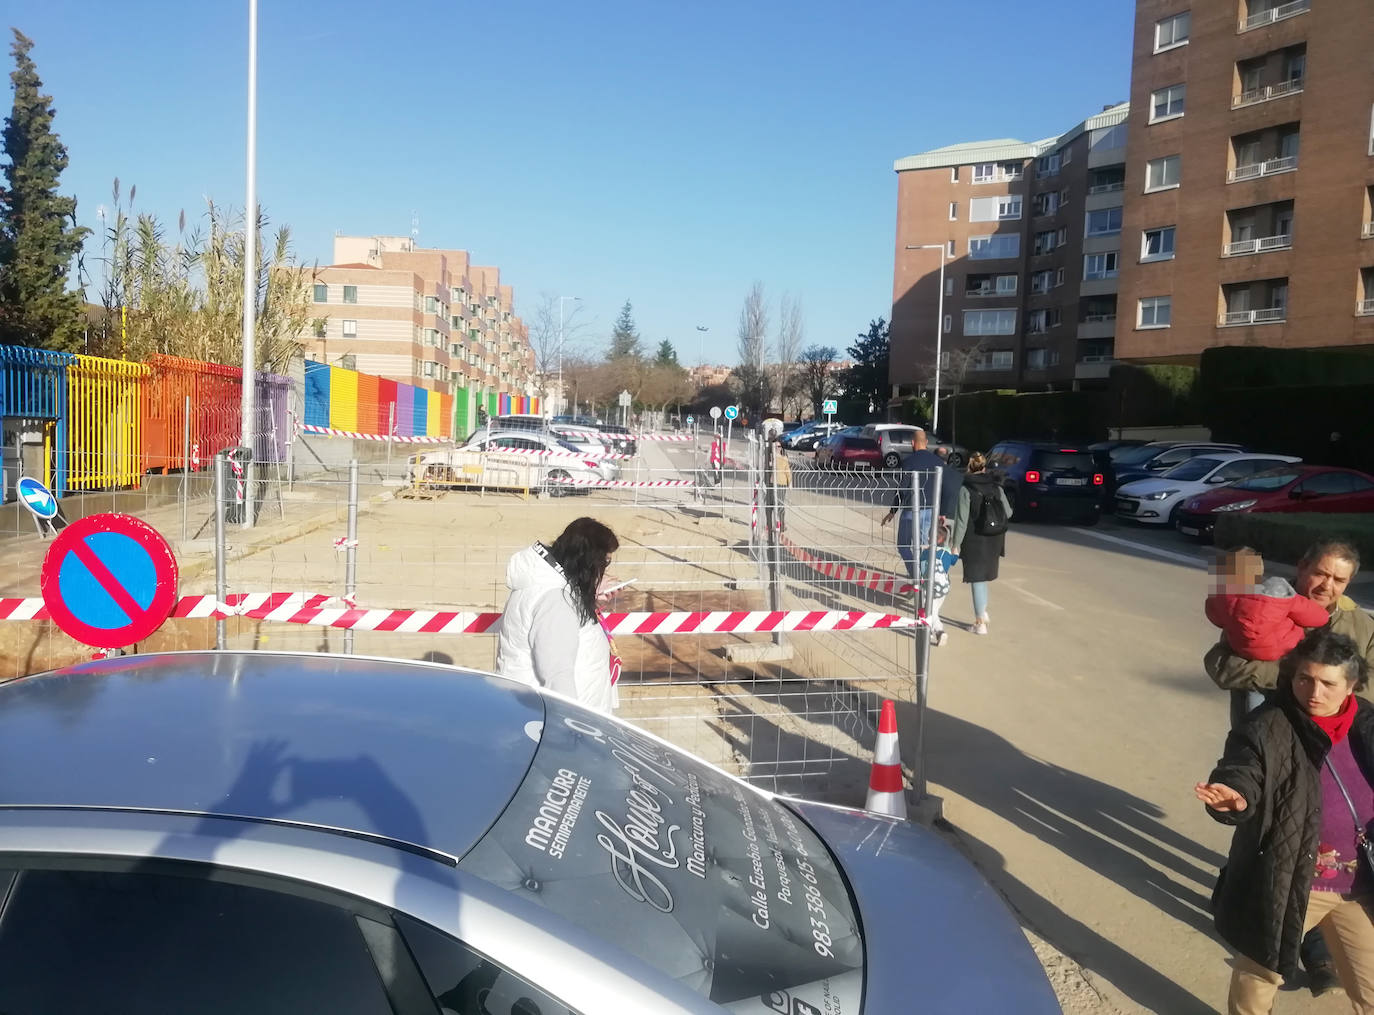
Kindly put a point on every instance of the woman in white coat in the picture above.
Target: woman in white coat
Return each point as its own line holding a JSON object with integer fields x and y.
{"x": 550, "y": 633}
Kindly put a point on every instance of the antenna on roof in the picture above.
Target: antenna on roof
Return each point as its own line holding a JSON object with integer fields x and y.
{"x": 414, "y": 228}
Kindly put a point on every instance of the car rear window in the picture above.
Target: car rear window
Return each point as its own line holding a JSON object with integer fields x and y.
{"x": 696, "y": 874}
{"x": 1062, "y": 461}
{"x": 1193, "y": 469}
{"x": 1138, "y": 455}
{"x": 862, "y": 442}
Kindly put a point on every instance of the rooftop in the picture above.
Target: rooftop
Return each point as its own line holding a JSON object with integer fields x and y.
{"x": 1008, "y": 148}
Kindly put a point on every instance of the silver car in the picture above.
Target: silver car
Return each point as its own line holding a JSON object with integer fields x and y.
{"x": 274, "y": 833}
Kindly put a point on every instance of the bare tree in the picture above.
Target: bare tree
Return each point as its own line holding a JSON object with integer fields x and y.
{"x": 953, "y": 373}
{"x": 788, "y": 344}
{"x": 547, "y": 341}
{"x": 751, "y": 376}
{"x": 817, "y": 362}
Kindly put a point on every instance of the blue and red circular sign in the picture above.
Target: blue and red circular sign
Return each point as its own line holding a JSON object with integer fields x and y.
{"x": 109, "y": 580}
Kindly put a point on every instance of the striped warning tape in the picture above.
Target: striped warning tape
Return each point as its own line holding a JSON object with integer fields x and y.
{"x": 664, "y": 437}
{"x": 879, "y": 581}
{"x": 328, "y": 431}
{"x": 334, "y": 611}
{"x": 621, "y": 483}
{"x": 608, "y": 455}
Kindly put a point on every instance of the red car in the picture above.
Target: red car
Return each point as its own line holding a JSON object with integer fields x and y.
{"x": 1286, "y": 488}
{"x": 849, "y": 453}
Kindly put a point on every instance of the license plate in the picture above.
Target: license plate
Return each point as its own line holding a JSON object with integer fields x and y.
{"x": 1126, "y": 506}
{"x": 1071, "y": 482}
{"x": 1188, "y": 530}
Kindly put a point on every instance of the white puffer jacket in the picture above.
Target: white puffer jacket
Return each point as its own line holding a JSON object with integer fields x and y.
{"x": 543, "y": 642}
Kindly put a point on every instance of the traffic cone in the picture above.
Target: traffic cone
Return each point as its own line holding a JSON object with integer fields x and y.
{"x": 886, "y": 794}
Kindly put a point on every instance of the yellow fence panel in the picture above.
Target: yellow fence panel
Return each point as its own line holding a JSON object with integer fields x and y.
{"x": 343, "y": 399}
{"x": 104, "y": 436}
{"x": 434, "y": 406}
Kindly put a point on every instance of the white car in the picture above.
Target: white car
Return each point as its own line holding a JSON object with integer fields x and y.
{"x": 517, "y": 459}
{"x": 1156, "y": 500}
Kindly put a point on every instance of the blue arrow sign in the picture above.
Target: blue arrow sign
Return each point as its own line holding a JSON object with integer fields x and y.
{"x": 731, "y": 411}
{"x": 691, "y": 420}
{"x": 37, "y": 498}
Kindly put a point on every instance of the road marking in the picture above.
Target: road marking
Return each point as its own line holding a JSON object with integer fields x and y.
{"x": 1182, "y": 558}
{"x": 1015, "y": 583}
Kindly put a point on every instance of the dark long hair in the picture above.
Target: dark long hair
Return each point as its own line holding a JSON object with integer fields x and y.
{"x": 582, "y": 551}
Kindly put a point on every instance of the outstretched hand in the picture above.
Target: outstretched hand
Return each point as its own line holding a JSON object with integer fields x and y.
{"x": 1219, "y": 797}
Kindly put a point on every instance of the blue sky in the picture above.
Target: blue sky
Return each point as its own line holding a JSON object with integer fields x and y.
{"x": 669, "y": 154}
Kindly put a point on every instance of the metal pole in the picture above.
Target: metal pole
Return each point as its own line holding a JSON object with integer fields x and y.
{"x": 390, "y": 435}
{"x": 772, "y": 518}
{"x": 250, "y": 261}
{"x": 939, "y": 345}
{"x": 925, "y": 597}
{"x": 221, "y": 584}
{"x": 185, "y": 463}
{"x": 351, "y": 550}
{"x": 561, "y": 400}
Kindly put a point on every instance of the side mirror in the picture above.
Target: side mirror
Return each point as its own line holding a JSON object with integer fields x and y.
{"x": 1213, "y": 480}
{"x": 1297, "y": 493}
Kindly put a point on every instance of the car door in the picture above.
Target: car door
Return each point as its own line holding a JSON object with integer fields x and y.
{"x": 1322, "y": 491}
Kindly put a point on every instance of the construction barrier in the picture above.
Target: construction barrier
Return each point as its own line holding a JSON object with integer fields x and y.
{"x": 105, "y": 428}
{"x": 215, "y": 392}
{"x": 33, "y": 392}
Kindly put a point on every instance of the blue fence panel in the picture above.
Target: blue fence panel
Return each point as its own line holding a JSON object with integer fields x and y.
{"x": 316, "y": 394}
{"x": 33, "y": 385}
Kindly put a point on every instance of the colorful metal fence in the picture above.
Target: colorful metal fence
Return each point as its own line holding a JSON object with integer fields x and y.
{"x": 105, "y": 423}
{"x": 33, "y": 392}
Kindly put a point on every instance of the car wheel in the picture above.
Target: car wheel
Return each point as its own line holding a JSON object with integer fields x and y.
{"x": 891, "y": 460}
{"x": 1173, "y": 515}
{"x": 1092, "y": 518}
{"x": 556, "y": 483}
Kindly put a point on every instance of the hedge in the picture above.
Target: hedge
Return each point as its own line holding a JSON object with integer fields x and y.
{"x": 1247, "y": 367}
{"x": 1285, "y": 537}
{"x": 1299, "y": 420}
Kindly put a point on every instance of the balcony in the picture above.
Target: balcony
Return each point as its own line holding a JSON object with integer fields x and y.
{"x": 1364, "y": 308}
{"x": 1269, "y": 167}
{"x": 1257, "y": 95}
{"x": 1280, "y": 13}
{"x": 1240, "y": 318}
{"x": 1368, "y": 230}
{"x": 1107, "y": 188}
{"x": 1258, "y": 246}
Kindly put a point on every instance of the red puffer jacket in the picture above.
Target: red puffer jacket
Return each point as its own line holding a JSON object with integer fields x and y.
{"x": 1267, "y": 623}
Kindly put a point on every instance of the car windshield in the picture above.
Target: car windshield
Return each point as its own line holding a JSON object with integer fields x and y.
{"x": 1193, "y": 469}
{"x": 1138, "y": 455}
{"x": 1061, "y": 461}
{"x": 676, "y": 863}
{"x": 1274, "y": 479}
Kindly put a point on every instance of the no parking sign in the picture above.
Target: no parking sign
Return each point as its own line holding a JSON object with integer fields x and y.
{"x": 109, "y": 580}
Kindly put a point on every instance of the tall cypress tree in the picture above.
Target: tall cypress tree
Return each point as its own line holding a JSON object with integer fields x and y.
{"x": 39, "y": 236}
{"x": 624, "y": 336}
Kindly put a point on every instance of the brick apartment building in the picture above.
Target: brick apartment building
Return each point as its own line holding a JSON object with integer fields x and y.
{"x": 422, "y": 316}
{"x": 1031, "y": 237}
{"x": 1248, "y": 215}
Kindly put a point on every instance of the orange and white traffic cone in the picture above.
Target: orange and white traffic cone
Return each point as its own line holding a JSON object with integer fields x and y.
{"x": 886, "y": 793}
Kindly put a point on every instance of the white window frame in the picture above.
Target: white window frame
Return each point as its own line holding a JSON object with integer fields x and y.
{"x": 1007, "y": 315}
{"x": 1087, "y": 222}
{"x": 1172, "y": 94}
{"x": 954, "y": 211}
{"x": 949, "y": 247}
{"x": 316, "y": 295}
{"x": 949, "y": 285}
{"x": 1145, "y": 256}
{"x": 1004, "y": 290}
{"x": 1155, "y": 303}
{"x": 1009, "y": 208}
{"x": 1163, "y": 161}
{"x": 1172, "y": 21}
{"x": 1058, "y": 277}
{"x": 953, "y": 174}
{"x": 348, "y": 328}
{"x": 994, "y": 241}
{"x": 949, "y": 323}
{"x": 1106, "y": 272}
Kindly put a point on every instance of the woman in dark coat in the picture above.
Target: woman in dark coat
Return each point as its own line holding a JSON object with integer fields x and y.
{"x": 1295, "y": 861}
{"x": 981, "y": 502}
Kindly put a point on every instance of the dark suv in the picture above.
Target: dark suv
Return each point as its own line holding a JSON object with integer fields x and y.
{"x": 620, "y": 438}
{"x": 1044, "y": 478}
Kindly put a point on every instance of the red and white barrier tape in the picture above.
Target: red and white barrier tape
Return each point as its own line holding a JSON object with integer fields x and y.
{"x": 325, "y": 611}
{"x": 599, "y": 455}
{"x": 664, "y": 437}
{"x": 622, "y": 483}
{"x": 326, "y": 431}
{"x": 879, "y": 581}
{"x": 344, "y": 543}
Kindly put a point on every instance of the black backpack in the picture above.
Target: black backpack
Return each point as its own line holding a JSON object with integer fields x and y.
{"x": 991, "y": 519}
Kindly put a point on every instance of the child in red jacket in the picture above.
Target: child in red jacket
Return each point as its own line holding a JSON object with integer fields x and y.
{"x": 1262, "y": 618}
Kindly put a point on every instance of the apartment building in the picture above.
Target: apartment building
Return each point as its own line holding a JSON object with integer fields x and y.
{"x": 427, "y": 317}
{"x": 1029, "y": 234}
{"x": 1248, "y": 215}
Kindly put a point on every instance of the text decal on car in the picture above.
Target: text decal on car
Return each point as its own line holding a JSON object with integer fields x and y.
{"x": 721, "y": 888}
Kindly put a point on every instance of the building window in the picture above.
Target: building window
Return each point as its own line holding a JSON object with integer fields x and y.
{"x": 1103, "y": 222}
{"x": 954, "y": 211}
{"x": 1040, "y": 321}
{"x": 1162, "y": 173}
{"x": 1157, "y": 244}
{"x": 1167, "y": 103}
{"x": 1041, "y": 359}
{"x": 1058, "y": 277}
{"x": 1107, "y": 138}
{"x": 428, "y": 368}
{"x": 953, "y": 174}
{"x": 949, "y": 323}
{"x": 321, "y": 328}
{"x": 1045, "y": 242}
{"x": 949, "y": 286}
{"x": 1042, "y": 281}
{"x": 949, "y": 248}
{"x": 430, "y": 304}
{"x": 1045, "y": 204}
{"x": 999, "y": 359}
{"x": 321, "y": 293}
{"x": 1155, "y": 312}
{"x": 431, "y": 336}
{"x": 1047, "y": 165}
{"x": 981, "y": 248}
{"x": 350, "y": 294}
{"x": 989, "y": 322}
{"x": 350, "y": 329}
{"x": 1172, "y": 31}
{"x": 995, "y": 209}
{"x": 1101, "y": 266}
{"x": 997, "y": 172}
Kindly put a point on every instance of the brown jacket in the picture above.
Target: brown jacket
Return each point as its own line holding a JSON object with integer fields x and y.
{"x": 1230, "y": 672}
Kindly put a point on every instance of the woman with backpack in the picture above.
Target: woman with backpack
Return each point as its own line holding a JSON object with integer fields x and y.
{"x": 980, "y": 533}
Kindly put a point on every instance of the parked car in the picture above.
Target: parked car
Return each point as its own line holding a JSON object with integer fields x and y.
{"x": 515, "y": 459}
{"x": 849, "y": 431}
{"x": 804, "y": 438}
{"x": 589, "y": 440}
{"x": 1152, "y": 459}
{"x": 1048, "y": 479}
{"x": 318, "y": 833}
{"x": 622, "y": 441}
{"x": 850, "y": 451}
{"x": 1291, "y": 488}
{"x": 1157, "y": 501}
{"x": 894, "y": 439}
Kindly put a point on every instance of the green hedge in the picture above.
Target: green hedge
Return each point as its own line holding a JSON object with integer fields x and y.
{"x": 980, "y": 419}
{"x": 1299, "y": 420}
{"x": 1247, "y": 367}
{"x": 1154, "y": 395}
{"x": 1284, "y": 537}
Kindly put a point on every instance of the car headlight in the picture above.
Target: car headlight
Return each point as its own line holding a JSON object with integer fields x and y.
{"x": 1159, "y": 495}
{"x": 1239, "y": 505}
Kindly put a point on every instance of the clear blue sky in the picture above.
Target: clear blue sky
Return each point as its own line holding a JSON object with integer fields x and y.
{"x": 670, "y": 154}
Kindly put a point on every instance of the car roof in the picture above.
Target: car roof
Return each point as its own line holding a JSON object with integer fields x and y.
{"x": 442, "y": 750}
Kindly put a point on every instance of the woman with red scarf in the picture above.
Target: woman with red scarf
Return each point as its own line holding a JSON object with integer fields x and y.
{"x": 1297, "y": 781}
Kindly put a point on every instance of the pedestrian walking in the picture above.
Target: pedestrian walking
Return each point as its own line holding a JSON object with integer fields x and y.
{"x": 980, "y": 533}
{"x": 1295, "y": 782}
{"x": 551, "y": 632}
{"x": 717, "y": 460}
{"x": 781, "y": 483}
{"x": 914, "y": 530}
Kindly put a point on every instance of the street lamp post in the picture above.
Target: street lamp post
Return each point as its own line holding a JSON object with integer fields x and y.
{"x": 939, "y": 331}
{"x": 701, "y": 344}
{"x": 250, "y": 266}
{"x": 562, "y": 398}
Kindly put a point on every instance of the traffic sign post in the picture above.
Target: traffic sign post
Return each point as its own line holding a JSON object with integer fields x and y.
{"x": 828, "y": 407}
{"x": 42, "y": 505}
{"x": 109, "y": 580}
{"x": 731, "y": 411}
